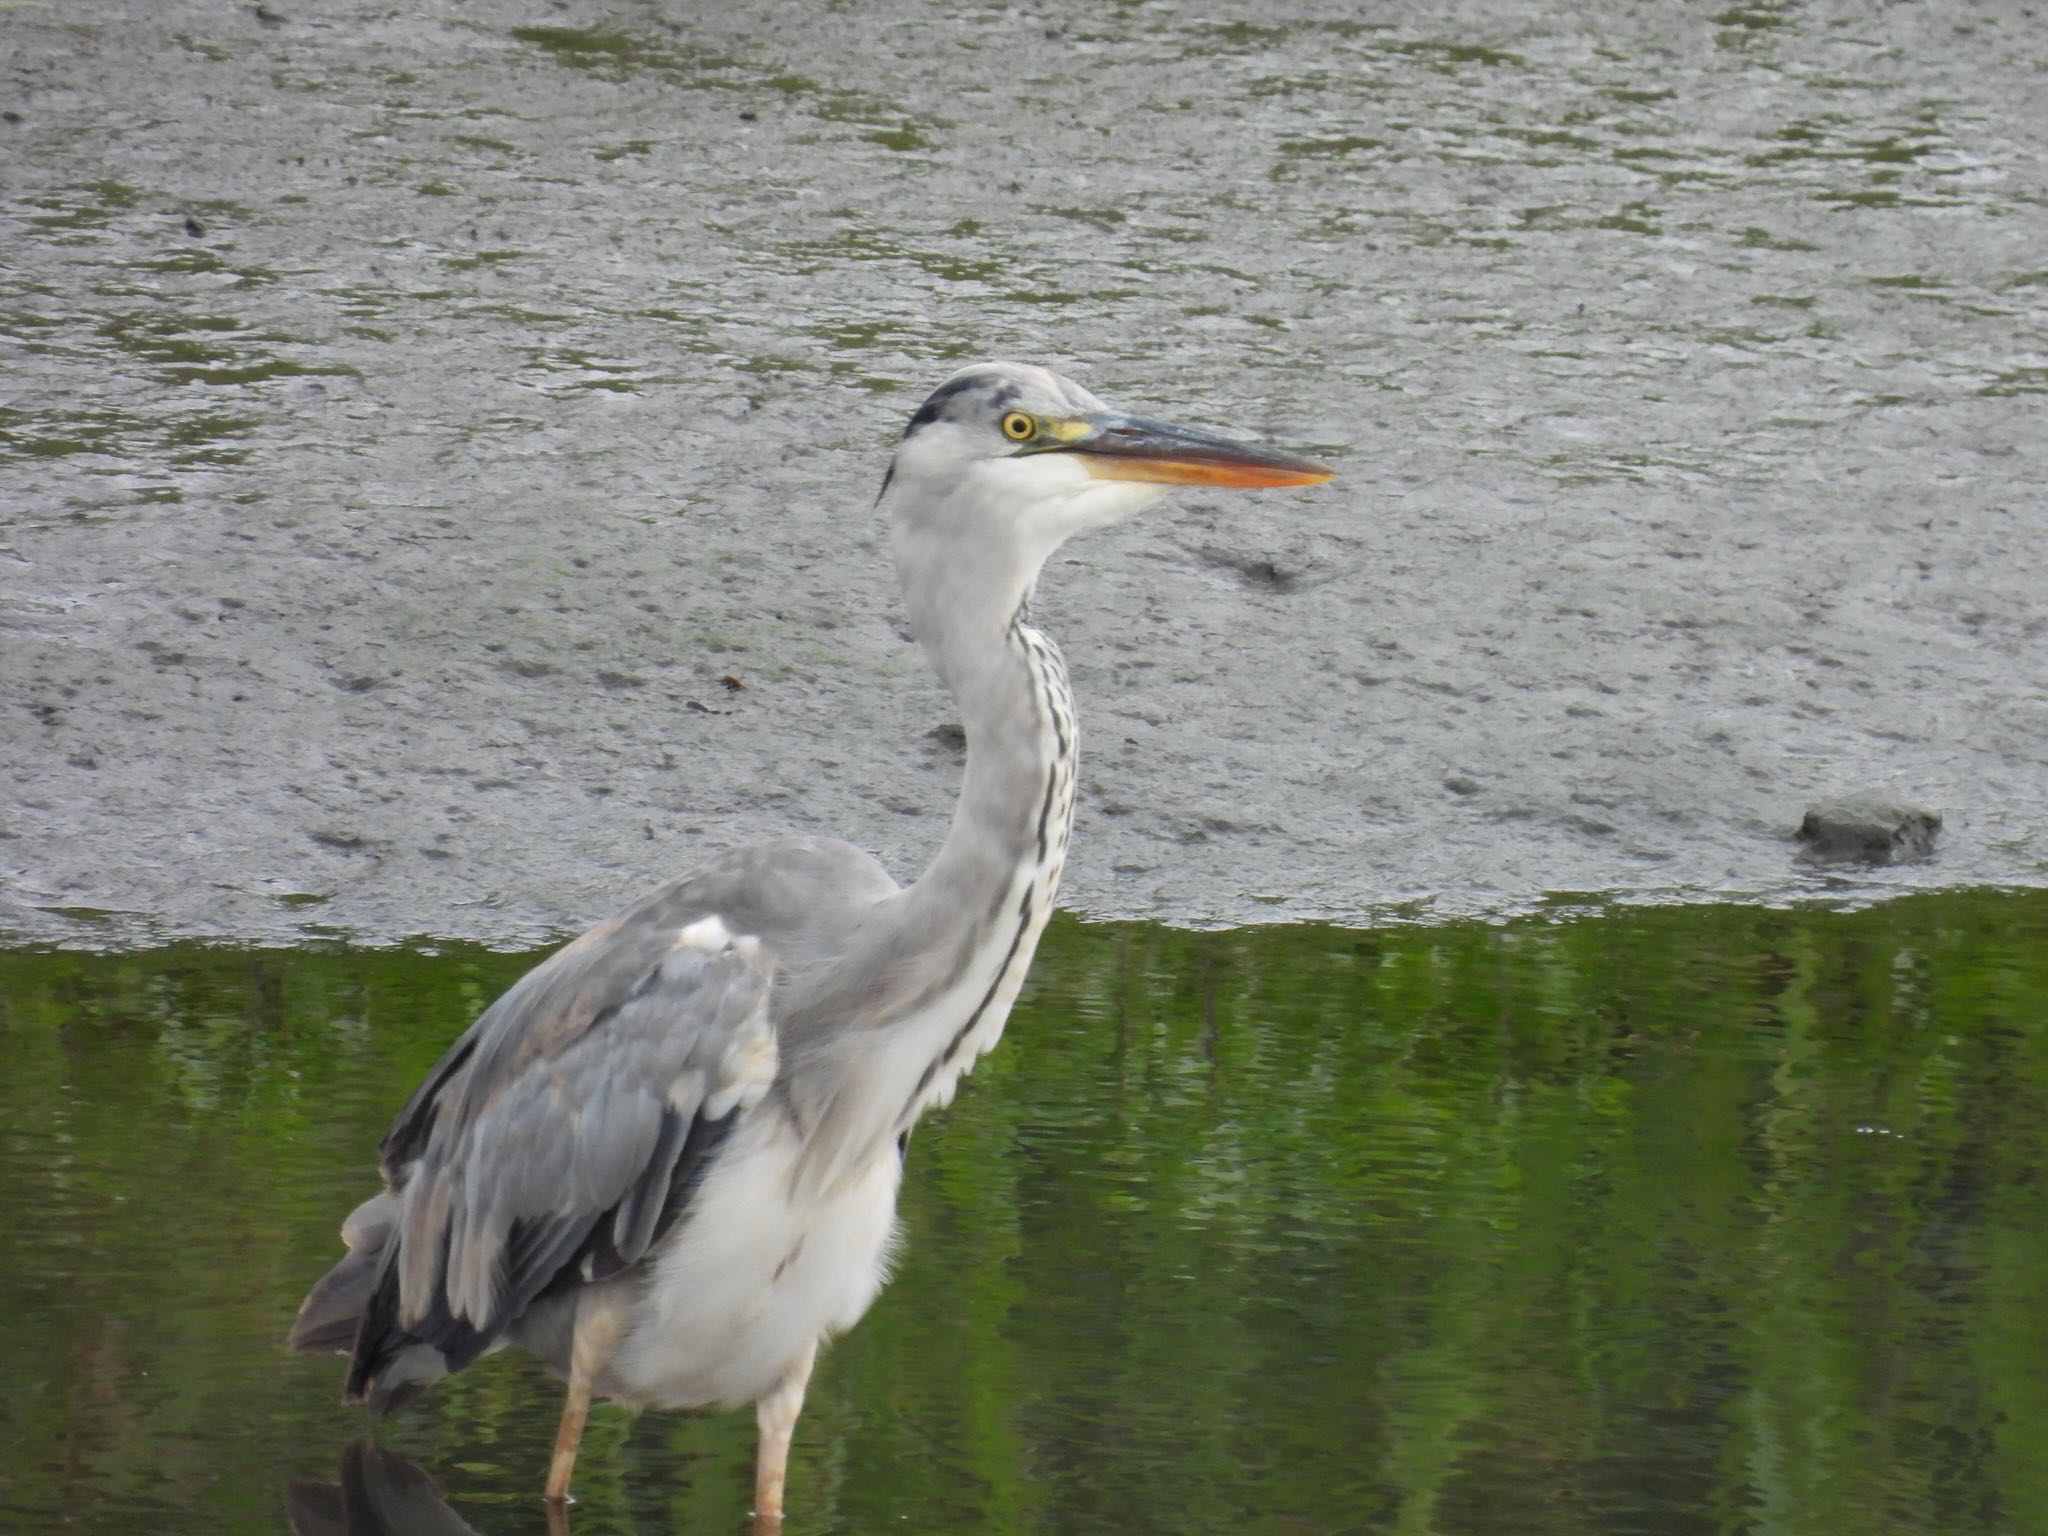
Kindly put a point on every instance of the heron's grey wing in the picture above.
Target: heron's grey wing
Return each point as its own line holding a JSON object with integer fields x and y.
{"x": 561, "y": 1135}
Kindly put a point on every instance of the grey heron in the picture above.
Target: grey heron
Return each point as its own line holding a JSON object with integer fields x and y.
{"x": 666, "y": 1160}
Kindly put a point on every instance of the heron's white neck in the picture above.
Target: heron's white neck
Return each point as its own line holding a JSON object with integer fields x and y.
{"x": 938, "y": 965}
{"x": 1016, "y": 796}
{"x": 941, "y": 962}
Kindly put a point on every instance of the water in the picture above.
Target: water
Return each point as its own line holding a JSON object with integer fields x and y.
{"x": 1705, "y": 1220}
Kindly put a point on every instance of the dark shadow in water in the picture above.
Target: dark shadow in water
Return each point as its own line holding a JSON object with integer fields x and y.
{"x": 379, "y": 1493}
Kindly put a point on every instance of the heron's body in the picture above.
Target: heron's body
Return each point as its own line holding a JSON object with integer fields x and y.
{"x": 666, "y": 1161}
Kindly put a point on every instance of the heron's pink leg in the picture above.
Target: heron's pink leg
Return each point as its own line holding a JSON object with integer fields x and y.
{"x": 597, "y": 1335}
{"x": 776, "y": 1414}
{"x": 567, "y": 1439}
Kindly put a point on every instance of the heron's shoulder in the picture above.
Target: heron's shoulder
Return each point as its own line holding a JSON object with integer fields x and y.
{"x": 745, "y": 909}
{"x": 655, "y": 988}
{"x": 821, "y": 858}
{"x": 693, "y": 959}
{"x": 774, "y": 891}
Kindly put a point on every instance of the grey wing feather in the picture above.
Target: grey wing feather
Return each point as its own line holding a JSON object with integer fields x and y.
{"x": 570, "y": 1125}
{"x": 560, "y": 1131}
{"x": 332, "y": 1313}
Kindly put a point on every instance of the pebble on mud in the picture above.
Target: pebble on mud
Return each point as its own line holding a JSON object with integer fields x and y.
{"x": 1868, "y": 828}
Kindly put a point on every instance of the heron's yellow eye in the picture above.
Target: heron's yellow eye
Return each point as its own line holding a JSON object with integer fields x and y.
{"x": 1019, "y": 428}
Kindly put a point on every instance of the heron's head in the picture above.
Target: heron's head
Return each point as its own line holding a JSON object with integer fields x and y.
{"x": 1019, "y": 457}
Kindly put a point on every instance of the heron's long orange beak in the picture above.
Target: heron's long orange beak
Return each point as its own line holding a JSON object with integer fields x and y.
{"x": 1132, "y": 448}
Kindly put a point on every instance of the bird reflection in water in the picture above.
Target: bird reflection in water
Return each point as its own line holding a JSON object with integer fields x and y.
{"x": 380, "y": 1494}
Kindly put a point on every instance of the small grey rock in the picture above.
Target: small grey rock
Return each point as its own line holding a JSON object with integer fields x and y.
{"x": 1868, "y": 828}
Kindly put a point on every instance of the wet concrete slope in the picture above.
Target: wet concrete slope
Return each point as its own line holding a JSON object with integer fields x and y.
{"x": 438, "y": 443}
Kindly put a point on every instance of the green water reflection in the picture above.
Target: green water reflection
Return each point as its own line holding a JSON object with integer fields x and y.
{"x": 1710, "y": 1219}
